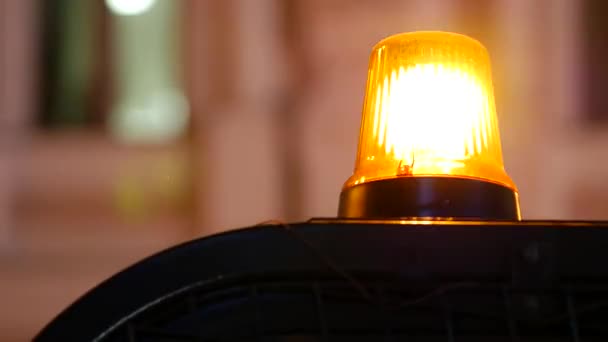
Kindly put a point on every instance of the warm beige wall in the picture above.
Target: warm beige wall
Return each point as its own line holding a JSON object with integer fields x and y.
{"x": 276, "y": 106}
{"x": 535, "y": 48}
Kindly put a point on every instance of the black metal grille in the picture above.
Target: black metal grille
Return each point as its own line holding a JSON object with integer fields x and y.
{"x": 317, "y": 309}
{"x": 365, "y": 281}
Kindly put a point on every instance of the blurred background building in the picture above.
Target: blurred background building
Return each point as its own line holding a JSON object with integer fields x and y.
{"x": 127, "y": 126}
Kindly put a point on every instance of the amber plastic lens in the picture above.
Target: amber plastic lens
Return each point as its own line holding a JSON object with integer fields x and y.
{"x": 429, "y": 111}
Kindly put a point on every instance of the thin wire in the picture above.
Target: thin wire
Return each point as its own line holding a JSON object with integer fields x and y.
{"x": 356, "y": 284}
{"x": 388, "y": 334}
{"x": 449, "y": 321}
{"x": 573, "y": 320}
{"x": 440, "y": 291}
{"x": 131, "y": 332}
{"x": 581, "y": 310}
{"x": 511, "y": 322}
{"x": 320, "y": 311}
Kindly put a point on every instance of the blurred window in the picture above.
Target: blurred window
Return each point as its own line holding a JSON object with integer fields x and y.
{"x": 595, "y": 28}
{"x": 74, "y": 63}
{"x": 113, "y": 65}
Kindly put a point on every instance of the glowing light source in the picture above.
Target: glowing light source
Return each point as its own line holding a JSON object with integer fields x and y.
{"x": 129, "y": 7}
{"x": 429, "y": 145}
{"x": 429, "y": 111}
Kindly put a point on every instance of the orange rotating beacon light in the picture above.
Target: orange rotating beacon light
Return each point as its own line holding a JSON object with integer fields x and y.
{"x": 429, "y": 145}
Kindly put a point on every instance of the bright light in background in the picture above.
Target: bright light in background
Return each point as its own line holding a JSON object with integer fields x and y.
{"x": 129, "y": 7}
{"x": 149, "y": 104}
{"x": 156, "y": 118}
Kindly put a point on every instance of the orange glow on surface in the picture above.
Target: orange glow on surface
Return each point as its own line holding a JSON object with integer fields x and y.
{"x": 429, "y": 111}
